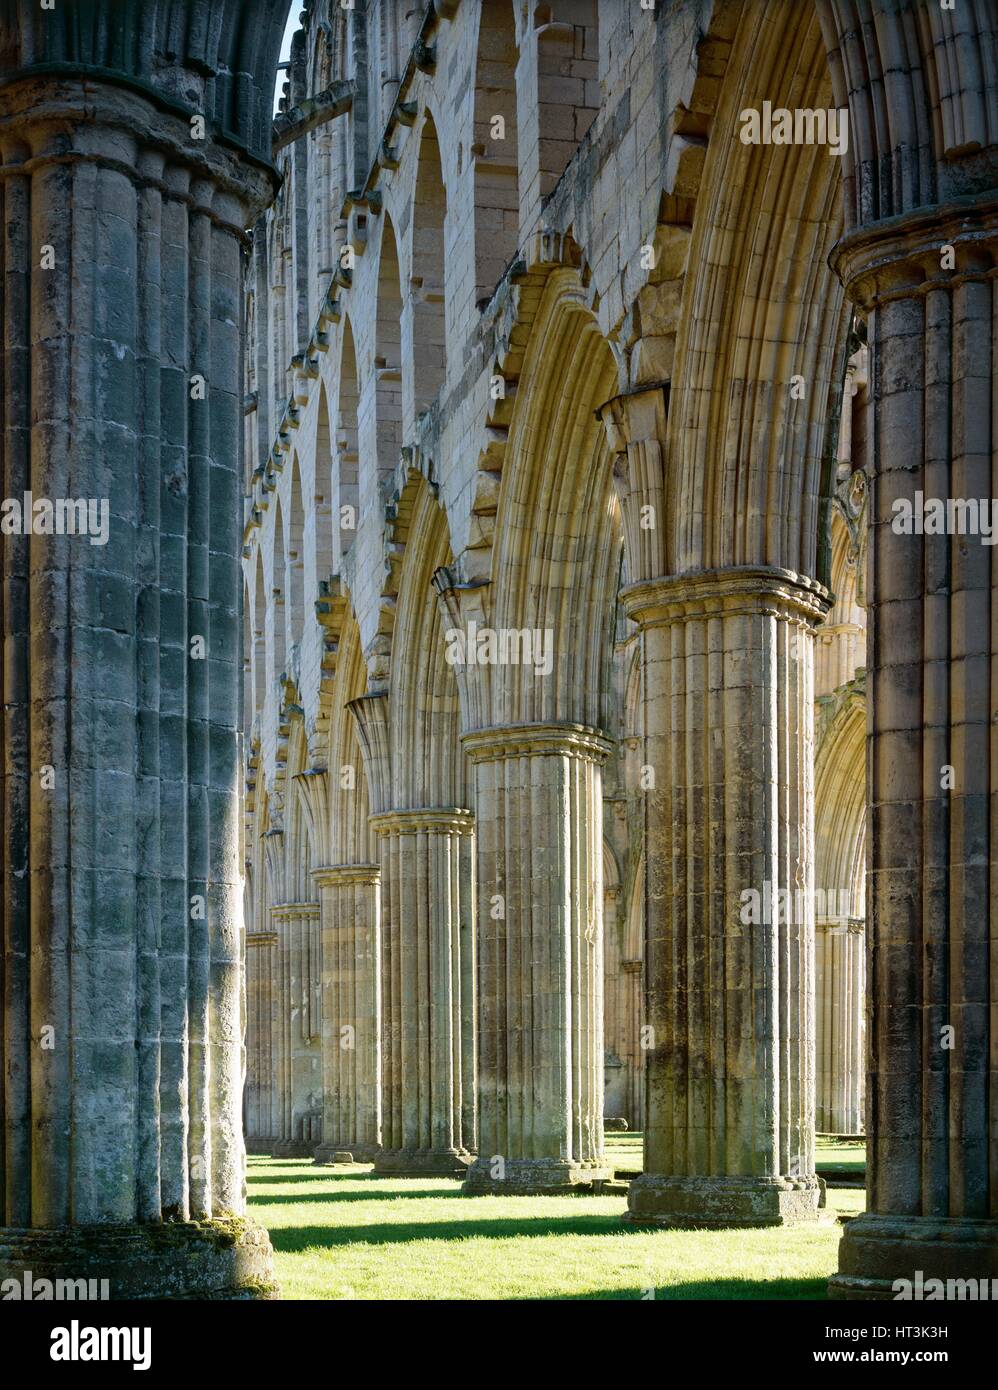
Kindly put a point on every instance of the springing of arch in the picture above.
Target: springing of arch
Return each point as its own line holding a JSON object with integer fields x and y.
{"x": 351, "y": 839}
{"x": 559, "y": 533}
{"x": 426, "y": 286}
{"x": 494, "y": 147}
{"x": 428, "y": 764}
{"x": 388, "y": 353}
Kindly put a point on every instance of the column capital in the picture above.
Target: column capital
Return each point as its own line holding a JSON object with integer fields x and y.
{"x": 739, "y": 590}
{"x": 334, "y": 875}
{"x": 261, "y": 938}
{"x": 136, "y": 133}
{"x": 536, "y": 740}
{"x": 900, "y": 257}
{"x": 283, "y": 910}
{"x": 370, "y": 713}
{"x": 422, "y": 819}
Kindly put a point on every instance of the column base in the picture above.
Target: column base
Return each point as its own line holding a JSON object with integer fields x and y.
{"x": 261, "y": 1144}
{"x": 325, "y": 1155}
{"x": 878, "y": 1252}
{"x": 657, "y": 1200}
{"x": 530, "y": 1177}
{"x": 422, "y": 1163}
{"x": 225, "y": 1258}
{"x": 293, "y": 1148}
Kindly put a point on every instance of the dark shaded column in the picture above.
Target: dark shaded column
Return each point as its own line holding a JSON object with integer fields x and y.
{"x": 122, "y": 900}
{"x": 932, "y": 1159}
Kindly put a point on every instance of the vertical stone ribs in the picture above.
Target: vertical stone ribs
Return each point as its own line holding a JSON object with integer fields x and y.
{"x": 121, "y": 744}
{"x": 728, "y": 717}
{"x": 540, "y": 906}
{"x": 931, "y": 1167}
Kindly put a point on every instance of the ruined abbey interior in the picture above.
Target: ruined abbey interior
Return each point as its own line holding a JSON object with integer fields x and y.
{"x": 504, "y": 710}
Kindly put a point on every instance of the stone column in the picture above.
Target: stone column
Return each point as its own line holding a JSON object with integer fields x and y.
{"x": 840, "y": 1010}
{"x": 540, "y": 958}
{"x": 633, "y": 971}
{"x": 932, "y": 1147}
{"x": 728, "y": 719}
{"x": 122, "y": 1040}
{"x": 260, "y": 949}
{"x": 297, "y": 928}
{"x": 351, "y": 1011}
{"x": 428, "y": 991}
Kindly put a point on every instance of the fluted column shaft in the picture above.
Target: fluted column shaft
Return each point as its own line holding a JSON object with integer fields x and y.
{"x": 932, "y": 1148}
{"x": 260, "y": 950}
{"x": 540, "y": 957}
{"x": 428, "y": 990}
{"x": 351, "y": 1010}
{"x": 840, "y": 1009}
{"x": 729, "y": 810}
{"x": 297, "y": 928}
{"x": 121, "y": 741}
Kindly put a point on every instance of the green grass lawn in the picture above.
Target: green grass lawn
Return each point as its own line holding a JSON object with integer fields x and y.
{"x": 625, "y": 1151}
{"x": 846, "y": 1156}
{"x": 340, "y": 1233}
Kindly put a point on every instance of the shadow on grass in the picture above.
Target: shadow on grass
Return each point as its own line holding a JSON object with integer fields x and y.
{"x": 710, "y": 1290}
{"x": 294, "y": 1239}
{"x": 261, "y": 1199}
{"x": 311, "y": 1175}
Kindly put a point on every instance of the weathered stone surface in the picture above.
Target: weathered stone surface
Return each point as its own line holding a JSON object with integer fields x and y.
{"x": 224, "y": 1258}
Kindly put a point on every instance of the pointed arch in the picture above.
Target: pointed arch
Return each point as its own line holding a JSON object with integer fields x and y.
{"x": 840, "y": 805}
{"x": 757, "y": 356}
{"x": 352, "y": 840}
{"x": 428, "y": 764}
{"x": 388, "y": 352}
{"x": 346, "y": 455}
{"x": 323, "y": 491}
{"x": 277, "y": 609}
{"x": 559, "y": 534}
{"x": 427, "y": 282}
{"x": 296, "y": 559}
{"x": 256, "y": 616}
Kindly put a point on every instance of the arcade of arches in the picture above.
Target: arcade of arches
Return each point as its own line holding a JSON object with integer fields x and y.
{"x": 605, "y": 753}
